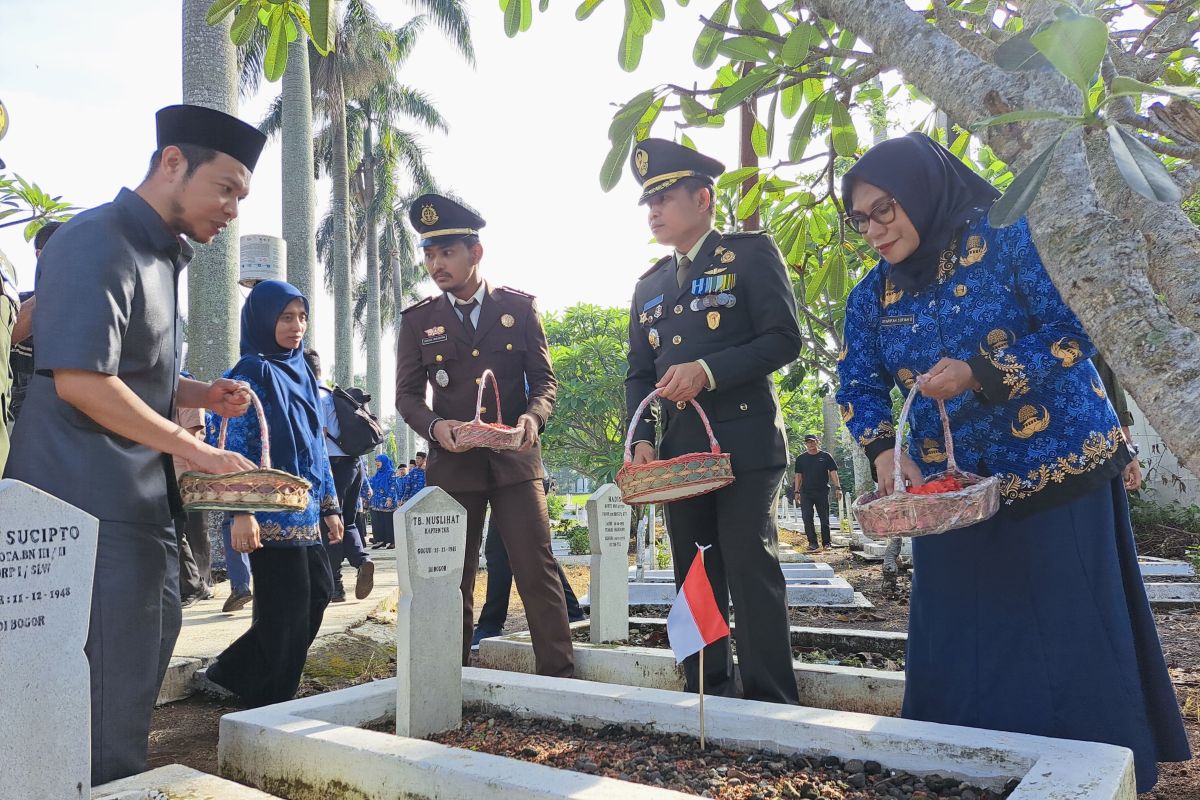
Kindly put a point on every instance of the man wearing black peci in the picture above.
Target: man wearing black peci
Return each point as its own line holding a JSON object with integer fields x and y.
{"x": 711, "y": 322}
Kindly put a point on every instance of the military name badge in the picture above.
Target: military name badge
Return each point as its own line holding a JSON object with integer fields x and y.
{"x": 434, "y": 335}
{"x": 442, "y": 377}
{"x": 508, "y": 321}
{"x": 652, "y": 335}
{"x": 714, "y": 320}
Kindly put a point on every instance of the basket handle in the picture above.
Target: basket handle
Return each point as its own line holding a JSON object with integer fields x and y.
{"x": 951, "y": 465}
{"x": 487, "y": 373}
{"x": 264, "y": 435}
{"x": 712, "y": 438}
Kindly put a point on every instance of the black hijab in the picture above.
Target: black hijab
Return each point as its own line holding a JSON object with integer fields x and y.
{"x": 940, "y": 194}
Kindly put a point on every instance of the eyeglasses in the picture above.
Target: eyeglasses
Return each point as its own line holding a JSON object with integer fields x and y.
{"x": 884, "y": 213}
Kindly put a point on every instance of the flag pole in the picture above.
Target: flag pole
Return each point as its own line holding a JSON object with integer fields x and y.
{"x": 702, "y": 696}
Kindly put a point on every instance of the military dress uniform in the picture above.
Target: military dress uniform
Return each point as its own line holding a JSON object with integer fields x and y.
{"x": 436, "y": 348}
{"x": 735, "y": 313}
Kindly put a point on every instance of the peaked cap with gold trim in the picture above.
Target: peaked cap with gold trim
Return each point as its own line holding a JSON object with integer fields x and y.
{"x": 659, "y": 164}
{"x": 439, "y": 219}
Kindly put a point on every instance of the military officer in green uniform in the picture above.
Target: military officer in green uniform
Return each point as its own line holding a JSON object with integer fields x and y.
{"x": 712, "y": 321}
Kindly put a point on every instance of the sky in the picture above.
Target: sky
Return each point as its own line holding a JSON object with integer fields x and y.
{"x": 527, "y": 132}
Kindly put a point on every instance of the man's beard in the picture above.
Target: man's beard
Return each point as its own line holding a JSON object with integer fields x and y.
{"x": 181, "y": 226}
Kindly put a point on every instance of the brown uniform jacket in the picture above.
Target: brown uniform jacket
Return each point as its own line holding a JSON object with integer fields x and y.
{"x": 510, "y": 341}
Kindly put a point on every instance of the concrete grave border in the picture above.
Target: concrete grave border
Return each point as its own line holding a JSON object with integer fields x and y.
{"x": 308, "y": 749}
{"x": 870, "y": 691}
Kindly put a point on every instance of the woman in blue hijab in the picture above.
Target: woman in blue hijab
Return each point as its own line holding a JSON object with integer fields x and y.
{"x": 292, "y": 580}
{"x": 1036, "y": 620}
{"x": 385, "y": 499}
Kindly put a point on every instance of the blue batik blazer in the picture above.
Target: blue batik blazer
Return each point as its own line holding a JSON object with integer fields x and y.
{"x": 1042, "y": 421}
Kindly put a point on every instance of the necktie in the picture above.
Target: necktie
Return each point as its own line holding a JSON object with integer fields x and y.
{"x": 465, "y": 309}
{"x": 681, "y": 270}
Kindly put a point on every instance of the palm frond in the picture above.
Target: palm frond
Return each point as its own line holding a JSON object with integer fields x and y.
{"x": 452, "y": 18}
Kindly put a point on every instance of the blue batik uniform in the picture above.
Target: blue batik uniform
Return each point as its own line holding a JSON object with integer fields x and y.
{"x": 1035, "y": 621}
{"x": 1042, "y": 422}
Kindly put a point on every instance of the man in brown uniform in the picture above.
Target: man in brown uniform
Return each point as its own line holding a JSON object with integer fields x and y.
{"x": 447, "y": 341}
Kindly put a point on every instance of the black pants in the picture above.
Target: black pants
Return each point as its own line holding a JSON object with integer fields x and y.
{"x": 383, "y": 527}
{"x": 742, "y": 566}
{"x": 195, "y": 558}
{"x": 499, "y": 584}
{"x": 292, "y": 587}
{"x": 809, "y": 501}
{"x": 347, "y": 480}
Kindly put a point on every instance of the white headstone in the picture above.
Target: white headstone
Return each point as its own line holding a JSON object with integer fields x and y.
{"x": 611, "y": 521}
{"x": 47, "y": 560}
{"x": 429, "y": 619}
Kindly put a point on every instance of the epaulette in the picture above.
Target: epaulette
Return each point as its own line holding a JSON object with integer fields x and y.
{"x": 743, "y": 234}
{"x": 424, "y": 302}
{"x": 511, "y": 290}
{"x": 657, "y": 264}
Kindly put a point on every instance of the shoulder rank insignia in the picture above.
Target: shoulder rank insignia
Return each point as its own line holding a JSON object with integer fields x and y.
{"x": 655, "y": 267}
{"x": 743, "y": 234}
{"x": 417, "y": 305}
{"x": 517, "y": 292}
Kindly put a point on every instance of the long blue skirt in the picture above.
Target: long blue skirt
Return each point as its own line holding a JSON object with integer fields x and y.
{"x": 1041, "y": 625}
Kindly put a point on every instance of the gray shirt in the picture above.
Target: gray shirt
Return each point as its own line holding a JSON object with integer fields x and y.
{"x": 107, "y": 292}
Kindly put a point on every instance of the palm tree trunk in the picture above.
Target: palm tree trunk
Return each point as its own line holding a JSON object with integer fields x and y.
{"x": 210, "y": 78}
{"x": 299, "y": 182}
{"x": 343, "y": 309}
{"x": 374, "y": 323}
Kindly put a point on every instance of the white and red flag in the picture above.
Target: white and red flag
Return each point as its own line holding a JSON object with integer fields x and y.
{"x": 695, "y": 620}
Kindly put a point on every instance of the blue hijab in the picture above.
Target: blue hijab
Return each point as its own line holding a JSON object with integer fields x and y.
{"x": 288, "y": 385}
{"x": 385, "y": 476}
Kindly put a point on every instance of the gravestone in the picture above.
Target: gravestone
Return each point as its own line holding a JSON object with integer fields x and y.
{"x": 610, "y": 522}
{"x": 47, "y": 560}
{"x": 429, "y": 617}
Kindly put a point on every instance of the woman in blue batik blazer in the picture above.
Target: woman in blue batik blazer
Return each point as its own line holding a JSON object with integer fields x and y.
{"x": 292, "y": 579}
{"x": 1034, "y": 621}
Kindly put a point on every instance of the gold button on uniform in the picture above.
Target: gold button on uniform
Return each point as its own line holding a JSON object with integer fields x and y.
{"x": 482, "y": 410}
{"x": 475, "y": 353}
{"x": 681, "y": 405}
{"x": 477, "y": 381}
{"x": 678, "y": 310}
{"x": 744, "y": 407}
{"x": 508, "y": 347}
{"x": 438, "y": 357}
{"x": 677, "y": 340}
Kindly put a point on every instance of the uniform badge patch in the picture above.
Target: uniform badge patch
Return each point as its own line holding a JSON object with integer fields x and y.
{"x": 715, "y": 271}
{"x": 727, "y": 257}
{"x": 714, "y": 320}
{"x": 508, "y": 321}
{"x": 442, "y": 377}
{"x": 429, "y": 216}
{"x": 655, "y": 341}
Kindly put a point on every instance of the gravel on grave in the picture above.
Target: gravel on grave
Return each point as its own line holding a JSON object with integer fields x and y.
{"x": 656, "y": 636}
{"x": 676, "y": 762}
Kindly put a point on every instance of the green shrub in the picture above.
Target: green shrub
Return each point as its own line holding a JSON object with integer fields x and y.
{"x": 579, "y": 540}
{"x": 555, "y": 504}
{"x": 1165, "y": 530}
{"x": 663, "y": 559}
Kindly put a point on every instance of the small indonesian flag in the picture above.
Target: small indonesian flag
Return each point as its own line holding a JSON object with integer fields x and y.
{"x": 694, "y": 620}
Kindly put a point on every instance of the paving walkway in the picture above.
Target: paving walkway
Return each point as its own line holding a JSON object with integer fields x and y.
{"x": 207, "y": 630}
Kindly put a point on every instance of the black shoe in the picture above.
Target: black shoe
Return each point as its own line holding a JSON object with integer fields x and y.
{"x": 189, "y": 601}
{"x": 236, "y": 601}
{"x": 379, "y": 545}
{"x": 390, "y": 546}
{"x": 366, "y": 580}
{"x": 205, "y": 594}
{"x": 580, "y": 617}
{"x": 338, "y": 597}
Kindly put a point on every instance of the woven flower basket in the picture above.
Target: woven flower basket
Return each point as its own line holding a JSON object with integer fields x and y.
{"x": 493, "y": 435}
{"x": 904, "y": 514}
{"x": 679, "y": 478}
{"x": 262, "y": 489}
